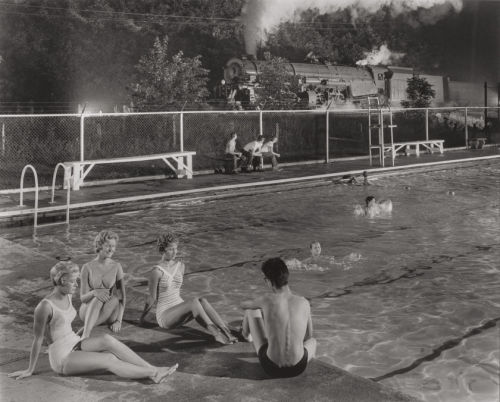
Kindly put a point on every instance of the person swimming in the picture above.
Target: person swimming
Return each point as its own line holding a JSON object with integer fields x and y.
{"x": 373, "y": 207}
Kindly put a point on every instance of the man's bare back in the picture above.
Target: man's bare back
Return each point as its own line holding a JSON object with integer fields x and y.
{"x": 280, "y": 325}
{"x": 286, "y": 318}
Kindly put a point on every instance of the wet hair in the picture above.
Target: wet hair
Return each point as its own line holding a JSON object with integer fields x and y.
{"x": 102, "y": 237}
{"x": 62, "y": 268}
{"x": 276, "y": 271}
{"x": 233, "y": 134}
{"x": 314, "y": 242}
{"x": 164, "y": 240}
{"x": 369, "y": 198}
{"x": 260, "y": 138}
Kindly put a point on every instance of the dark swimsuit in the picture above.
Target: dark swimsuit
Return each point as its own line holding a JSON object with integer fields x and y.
{"x": 273, "y": 370}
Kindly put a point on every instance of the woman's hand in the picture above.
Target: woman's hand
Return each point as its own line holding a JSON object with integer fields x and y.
{"x": 102, "y": 295}
{"x": 18, "y": 375}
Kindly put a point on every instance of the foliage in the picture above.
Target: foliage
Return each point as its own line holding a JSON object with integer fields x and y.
{"x": 278, "y": 87}
{"x": 419, "y": 92}
{"x": 165, "y": 83}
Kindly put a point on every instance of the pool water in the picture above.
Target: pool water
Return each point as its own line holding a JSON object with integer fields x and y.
{"x": 412, "y": 301}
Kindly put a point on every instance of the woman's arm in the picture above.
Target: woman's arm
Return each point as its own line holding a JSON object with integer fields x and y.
{"x": 120, "y": 285}
{"x": 42, "y": 314}
{"x": 152, "y": 297}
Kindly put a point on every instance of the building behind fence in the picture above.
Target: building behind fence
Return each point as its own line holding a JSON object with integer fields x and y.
{"x": 45, "y": 140}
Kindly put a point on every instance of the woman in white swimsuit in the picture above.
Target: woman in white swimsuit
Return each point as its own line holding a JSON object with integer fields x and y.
{"x": 68, "y": 353}
{"x": 102, "y": 280}
{"x": 164, "y": 290}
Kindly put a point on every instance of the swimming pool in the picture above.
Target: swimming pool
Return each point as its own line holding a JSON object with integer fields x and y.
{"x": 418, "y": 311}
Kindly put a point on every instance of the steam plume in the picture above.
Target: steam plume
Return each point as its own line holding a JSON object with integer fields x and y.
{"x": 380, "y": 56}
{"x": 261, "y": 16}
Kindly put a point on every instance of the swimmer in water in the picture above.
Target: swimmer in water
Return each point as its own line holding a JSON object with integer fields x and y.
{"x": 373, "y": 207}
{"x": 315, "y": 262}
{"x": 354, "y": 180}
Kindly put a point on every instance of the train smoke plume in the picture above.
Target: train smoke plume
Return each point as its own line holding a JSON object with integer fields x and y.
{"x": 380, "y": 56}
{"x": 261, "y": 16}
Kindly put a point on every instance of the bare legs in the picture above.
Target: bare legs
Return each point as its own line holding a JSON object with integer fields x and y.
{"x": 201, "y": 310}
{"x": 96, "y": 313}
{"x": 106, "y": 352}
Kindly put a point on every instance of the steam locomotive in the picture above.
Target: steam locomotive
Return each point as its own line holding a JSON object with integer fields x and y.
{"x": 333, "y": 86}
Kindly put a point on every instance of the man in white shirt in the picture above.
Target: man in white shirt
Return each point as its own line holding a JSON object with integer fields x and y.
{"x": 251, "y": 151}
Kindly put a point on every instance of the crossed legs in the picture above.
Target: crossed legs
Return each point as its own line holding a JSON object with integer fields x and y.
{"x": 96, "y": 313}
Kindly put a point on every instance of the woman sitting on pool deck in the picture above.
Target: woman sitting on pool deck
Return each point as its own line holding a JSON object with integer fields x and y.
{"x": 100, "y": 277}
{"x": 68, "y": 353}
{"x": 171, "y": 310}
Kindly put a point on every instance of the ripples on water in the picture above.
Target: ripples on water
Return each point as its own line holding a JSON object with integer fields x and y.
{"x": 418, "y": 310}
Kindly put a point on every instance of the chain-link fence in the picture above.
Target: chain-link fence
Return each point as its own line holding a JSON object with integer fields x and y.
{"x": 45, "y": 140}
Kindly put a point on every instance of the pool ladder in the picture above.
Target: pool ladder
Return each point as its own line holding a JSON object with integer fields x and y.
{"x": 21, "y": 194}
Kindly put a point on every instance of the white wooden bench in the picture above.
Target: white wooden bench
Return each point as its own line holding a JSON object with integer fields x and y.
{"x": 181, "y": 161}
{"x": 409, "y": 146}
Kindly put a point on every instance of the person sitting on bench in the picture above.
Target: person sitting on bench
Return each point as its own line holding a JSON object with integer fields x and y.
{"x": 279, "y": 325}
{"x": 268, "y": 151}
{"x": 251, "y": 152}
{"x": 232, "y": 156}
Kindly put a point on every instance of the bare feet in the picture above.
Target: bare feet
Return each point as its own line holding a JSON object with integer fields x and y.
{"x": 163, "y": 373}
{"x": 229, "y": 335}
{"x": 218, "y": 335}
{"x": 116, "y": 326}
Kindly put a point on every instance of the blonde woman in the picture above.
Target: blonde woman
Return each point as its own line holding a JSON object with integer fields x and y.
{"x": 164, "y": 291}
{"x": 102, "y": 290}
{"x": 68, "y": 353}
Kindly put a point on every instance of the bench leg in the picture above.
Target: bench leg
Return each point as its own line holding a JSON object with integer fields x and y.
{"x": 76, "y": 176}
{"x": 189, "y": 164}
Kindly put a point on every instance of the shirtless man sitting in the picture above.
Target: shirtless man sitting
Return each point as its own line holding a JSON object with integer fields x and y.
{"x": 280, "y": 325}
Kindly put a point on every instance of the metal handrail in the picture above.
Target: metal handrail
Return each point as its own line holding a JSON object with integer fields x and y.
{"x": 21, "y": 187}
{"x": 68, "y": 187}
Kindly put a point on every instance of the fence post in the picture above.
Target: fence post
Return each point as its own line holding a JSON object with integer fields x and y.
{"x": 182, "y": 132}
{"x": 466, "y": 130}
{"x": 327, "y": 138}
{"x": 261, "y": 128}
{"x": 3, "y": 139}
{"x": 427, "y": 124}
{"x": 82, "y": 136}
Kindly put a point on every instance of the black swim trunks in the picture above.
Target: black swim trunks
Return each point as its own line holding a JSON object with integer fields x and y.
{"x": 273, "y": 370}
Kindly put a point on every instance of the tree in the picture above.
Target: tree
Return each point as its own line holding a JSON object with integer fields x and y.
{"x": 168, "y": 84}
{"x": 277, "y": 85}
{"x": 419, "y": 92}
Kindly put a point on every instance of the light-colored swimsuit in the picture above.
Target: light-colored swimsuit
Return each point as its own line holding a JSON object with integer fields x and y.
{"x": 169, "y": 289}
{"x": 63, "y": 337}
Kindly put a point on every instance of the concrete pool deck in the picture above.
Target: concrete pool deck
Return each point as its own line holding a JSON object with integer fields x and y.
{"x": 207, "y": 371}
{"x": 123, "y": 196}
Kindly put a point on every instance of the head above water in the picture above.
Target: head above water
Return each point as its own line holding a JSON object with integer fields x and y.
{"x": 62, "y": 269}
{"x": 276, "y": 271}
{"x": 315, "y": 247}
{"x": 164, "y": 240}
{"x": 369, "y": 199}
{"x": 103, "y": 237}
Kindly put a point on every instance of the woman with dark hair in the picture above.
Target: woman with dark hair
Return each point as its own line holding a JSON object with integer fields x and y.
{"x": 164, "y": 290}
